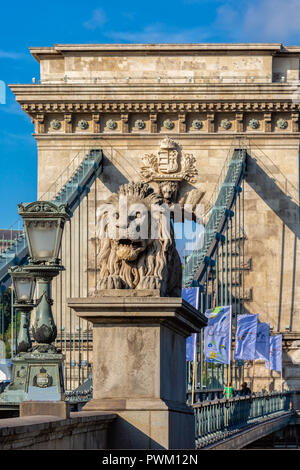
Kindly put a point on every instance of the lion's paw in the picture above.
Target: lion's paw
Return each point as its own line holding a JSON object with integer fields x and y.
{"x": 111, "y": 282}
{"x": 149, "y": 282}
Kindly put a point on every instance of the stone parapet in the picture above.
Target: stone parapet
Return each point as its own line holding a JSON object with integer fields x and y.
{"x": 82, "y": 430}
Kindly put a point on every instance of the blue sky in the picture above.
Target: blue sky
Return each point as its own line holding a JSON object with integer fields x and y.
{"x": 26, "y": 24}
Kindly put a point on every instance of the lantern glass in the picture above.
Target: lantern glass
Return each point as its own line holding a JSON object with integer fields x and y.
{"x": 24, "y": 288}
{"x": 43, "y": 238}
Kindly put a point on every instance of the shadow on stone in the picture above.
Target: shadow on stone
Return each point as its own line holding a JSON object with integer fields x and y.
{"x": 280, "y": 203}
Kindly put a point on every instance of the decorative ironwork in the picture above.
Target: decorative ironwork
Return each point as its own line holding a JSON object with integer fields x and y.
{"x": 219, "y": 419}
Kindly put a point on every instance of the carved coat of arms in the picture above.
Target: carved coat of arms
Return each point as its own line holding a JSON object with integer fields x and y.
{"x": 169, "y": 168}
{"x": 43, "y": 379}
{"x": 168, "y": 164}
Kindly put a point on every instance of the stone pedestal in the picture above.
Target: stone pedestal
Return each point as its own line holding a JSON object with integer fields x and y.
{"x": 49, "y": 408}
{"x": 36, "y": 376}
{"x": 139, "y": 366}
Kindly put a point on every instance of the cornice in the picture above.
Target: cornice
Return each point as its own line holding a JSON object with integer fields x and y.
{"x": 188, "y": 136}
{"x": 163, "y": 92}
{"x": 160, "y": 107}
{"x": 156, "y": 49}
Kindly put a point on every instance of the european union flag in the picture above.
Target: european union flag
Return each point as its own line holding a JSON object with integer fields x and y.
{"x": 217, "y": 335}
{"x": 191, "y": 295}
{"x": 245, "y": 338}
{"x": 263, "y": 341}
{"x": 275, "y": 353}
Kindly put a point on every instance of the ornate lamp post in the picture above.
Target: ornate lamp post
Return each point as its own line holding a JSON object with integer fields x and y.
{"x": 24, "y": 287}
{"x": 44, "y": 224}
{"x": 37, "y": 371}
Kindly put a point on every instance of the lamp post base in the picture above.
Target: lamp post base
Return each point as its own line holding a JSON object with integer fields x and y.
{"x": 36, "y": 376}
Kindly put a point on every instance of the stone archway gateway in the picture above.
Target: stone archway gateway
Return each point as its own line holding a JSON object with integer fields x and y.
{"x": 125, "y": 99}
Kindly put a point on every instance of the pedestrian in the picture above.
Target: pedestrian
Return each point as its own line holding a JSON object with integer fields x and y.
{"x": 228, "y": 391}
{"x": 245, "y": 390}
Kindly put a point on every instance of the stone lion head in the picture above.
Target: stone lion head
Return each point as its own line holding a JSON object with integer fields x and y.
{"x": 137, "y": 247}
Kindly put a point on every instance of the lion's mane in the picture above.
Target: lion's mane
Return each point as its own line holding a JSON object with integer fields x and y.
{"x": 157, "y": 267}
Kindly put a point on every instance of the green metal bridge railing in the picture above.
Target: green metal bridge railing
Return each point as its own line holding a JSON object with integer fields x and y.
{"x": 219, "y": 419}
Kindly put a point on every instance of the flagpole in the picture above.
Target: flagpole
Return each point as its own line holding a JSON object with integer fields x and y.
{"x": 228, "y": 380}
{"x": 229, "y": 368}
{"x": 193, "y": 384}
{"x": 195, "y": 354}
{"x": 194, "y": 370}
{"x": 253, "y": 375}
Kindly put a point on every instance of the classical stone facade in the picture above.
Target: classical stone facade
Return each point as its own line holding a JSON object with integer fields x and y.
{"x": 127, "y": 98}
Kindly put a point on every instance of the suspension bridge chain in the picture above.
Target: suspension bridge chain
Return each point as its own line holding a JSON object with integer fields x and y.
{"x": 194, "y": 268}
{"x": 79, "y": 175}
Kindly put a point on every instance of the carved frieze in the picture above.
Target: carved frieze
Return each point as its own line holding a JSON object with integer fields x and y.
{"x": 156, "y": 107}
{"x": 270, "y": 120}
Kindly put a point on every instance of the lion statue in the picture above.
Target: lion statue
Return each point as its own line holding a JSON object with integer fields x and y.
{"x": 136, "y": 243}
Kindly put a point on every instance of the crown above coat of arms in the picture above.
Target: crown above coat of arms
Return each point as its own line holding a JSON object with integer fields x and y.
{"x": 169, "y": 164}
{"x": 168, "y": 143}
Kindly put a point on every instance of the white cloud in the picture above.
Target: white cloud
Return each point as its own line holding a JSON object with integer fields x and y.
{"x": 98, "y": 19}
{"x": 235, "y": 21}
{"x": 13, "y": 108}
{"x": 11, "y": 55}
{"x": 263, "y": 20}
{"x": 160, "y": 33}
{"x": 274, "y": 19}
{"x": 12, "y": 139}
